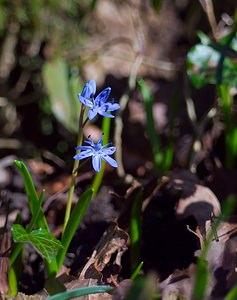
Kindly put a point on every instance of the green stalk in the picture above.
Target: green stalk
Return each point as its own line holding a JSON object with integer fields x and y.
{"x": 99, "y": 176}
{"x": 152, "y": 134}
{"x": 74, "y": 170}
{"x": 135, "y": 229}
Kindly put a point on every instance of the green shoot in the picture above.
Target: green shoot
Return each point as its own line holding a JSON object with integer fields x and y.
{"x": 99, "y": 176}
{"x": 136, "y": 230}
{"x": 136, "y": 271}
{"x": 83, "y": 291}
{"x": 73, "y": 223}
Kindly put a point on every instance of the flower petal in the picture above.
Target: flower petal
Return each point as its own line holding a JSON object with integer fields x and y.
{"x": 85, "y": 101}
{"x": 91, "y": 114}
{"x": 92, "y": 86}
{"x": 83, "y": 154}
{"x": 109, "y": 150}
{"x": 90, "y": 142}
{"x": 83, "y": 148}
{"x": 113, "y": 106}
{"x": 102, "y": 97}
{"x": 96, "y": 163}
{"x": 109, "y": 160}
{"x": 105, "y": 114}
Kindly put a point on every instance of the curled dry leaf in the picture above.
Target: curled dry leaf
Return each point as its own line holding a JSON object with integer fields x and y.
{"x": 222, "y": 256}
{"x": 113, "y": 241}
{"x": 195, "y": 199}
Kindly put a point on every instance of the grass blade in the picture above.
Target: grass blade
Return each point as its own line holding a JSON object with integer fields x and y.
{"x": 232, "y": 295}
{"x": 99, "y": 176}
{"x": 81, "y": 292}
{"x": 77, "y": 214}
{"x": 136, "y": 230}
{"x": 153, "y": 136}
{"x": 34, "y": 201}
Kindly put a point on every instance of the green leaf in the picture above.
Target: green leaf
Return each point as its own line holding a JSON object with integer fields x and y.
{"x": 76, "y": 216}
{"x": 143, "y": 287}
{"x": 202, "y": 274}
{"x": 99, "y": 175}
{"x": 43, "y": 241}
{"x": 202, "y": 61}
{"x": 232, "y": 295}
{"x": 38, "y": 218}
{"x": 64, "y": 104}
{"x": 137, "y": 270}
{"x": 153, "y": 136}
{"x": 211, "y": 63}
{"x": 34, "y": 202}
{"x": 136, "y": 230}
{"x": 81, "y": 292}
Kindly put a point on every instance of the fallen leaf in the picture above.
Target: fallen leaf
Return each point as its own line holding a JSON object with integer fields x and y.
{"x": 113, "y": 241}
{"x": 195, "y": 199}
{"x": 5, "y": 243}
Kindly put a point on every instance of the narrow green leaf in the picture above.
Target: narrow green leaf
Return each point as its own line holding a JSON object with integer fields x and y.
{"x": 43, "y": 241}
{"x": 81, "y": 292}
{"x": 136, "y": 271}
{"x": 202, "y": 271}
{"x": 202, "y": 274}
{"x": 232, "y": 295}
{"x": 99, "y": 175}
{"x": 144, "y": 287}
{"x": 153, "y": 136}
{"x": 34, "y": 202}
{"x": 76, "y": 216}
{"x": 136, "y": 230}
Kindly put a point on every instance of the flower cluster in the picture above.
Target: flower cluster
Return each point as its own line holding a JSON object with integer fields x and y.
{"x": 97, "y": 105}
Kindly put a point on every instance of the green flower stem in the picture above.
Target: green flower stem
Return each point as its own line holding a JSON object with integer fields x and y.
{"x": 99, "y": 176}
{"x": 74, "y": 170}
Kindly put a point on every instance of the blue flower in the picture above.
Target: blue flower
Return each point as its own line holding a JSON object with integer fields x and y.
{"x": 97, "y": 152}
{"x": 98, "y": 105}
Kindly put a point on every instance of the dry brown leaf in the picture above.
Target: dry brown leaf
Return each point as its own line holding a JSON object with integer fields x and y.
{"x": 22, "y": 296}
{"x": 113, "y": 241}
{"x": 222, "y": 256}
{"x": 195, "y": 199}
{"x": 179, "y": 284}
{"x": 5, "y": 243}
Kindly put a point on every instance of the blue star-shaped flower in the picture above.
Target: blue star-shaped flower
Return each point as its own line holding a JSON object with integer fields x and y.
{"x": 98, "y": 105}
{"x": 97, "y": 152}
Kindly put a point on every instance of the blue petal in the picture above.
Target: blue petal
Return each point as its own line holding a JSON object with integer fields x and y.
{"x": 109, "y": 151}
{"x": 92, "y": 86}
{"x": 83, "y": 154}
{"x": 109, "y": 160}
{"x": 105, "y": 114}
{"x": 91, "y": 114}
{"x": 112, "y": 107}
{"x": 85, "y": 101}
{"x": 96, "y": 163}
{"x": 90, "y": 142}
{"x": 89, "y": 89}
{"x": 103, "y": 96}
{"x": 83, "y": 148}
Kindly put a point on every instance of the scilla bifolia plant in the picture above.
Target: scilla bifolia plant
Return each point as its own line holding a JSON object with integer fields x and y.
{"x": 37, "y": 232}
